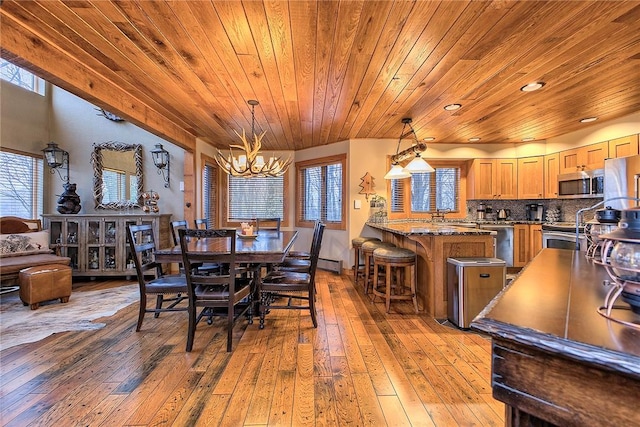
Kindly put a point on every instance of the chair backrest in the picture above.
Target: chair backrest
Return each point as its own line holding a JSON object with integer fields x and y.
{"x": 175, "y": 227}
{"x": 268, "y": 224}
{"x": 316, "y": 243}
{"x": 201, "y": 223}
{"x": 224, "y": 242}
{"x": 142, "y": 246}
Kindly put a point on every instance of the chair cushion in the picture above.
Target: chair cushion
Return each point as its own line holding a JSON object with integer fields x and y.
{"x": 285, "y": 280}
{"x": 393, "y": 254}
{"x": 220, "y": 292}
{"x": 358, "y": 241}
{"x": 167, "y": 285}
{"x": 373, "y": 244}
{"x": 295, "y": 264}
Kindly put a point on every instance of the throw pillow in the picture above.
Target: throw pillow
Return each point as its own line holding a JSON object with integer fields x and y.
{"x": 24, "y": 243}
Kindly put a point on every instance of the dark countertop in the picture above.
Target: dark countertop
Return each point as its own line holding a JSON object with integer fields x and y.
{"x": 552, "y": 305}
{"x": 427, "y": 229}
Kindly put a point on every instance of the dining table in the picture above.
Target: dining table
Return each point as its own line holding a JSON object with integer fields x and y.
{"x": 265, "y": 247}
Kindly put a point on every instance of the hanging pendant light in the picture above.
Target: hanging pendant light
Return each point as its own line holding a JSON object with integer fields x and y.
{"x": 417, "y": 165}
{"x": 251, "y": 163}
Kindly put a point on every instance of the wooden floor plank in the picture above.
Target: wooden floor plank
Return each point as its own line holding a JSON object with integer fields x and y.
{"x": 360, "y": 366}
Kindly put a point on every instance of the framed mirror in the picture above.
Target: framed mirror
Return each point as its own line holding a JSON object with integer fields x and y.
{"x": 117, "y": 175}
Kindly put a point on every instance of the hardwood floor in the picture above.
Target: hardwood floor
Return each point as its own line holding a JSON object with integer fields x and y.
{"x": 359, "y": 367}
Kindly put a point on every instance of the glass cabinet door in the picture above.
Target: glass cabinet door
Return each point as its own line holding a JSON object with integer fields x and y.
{"x": 94, "y": 231}
{"x": 109, "y": 239}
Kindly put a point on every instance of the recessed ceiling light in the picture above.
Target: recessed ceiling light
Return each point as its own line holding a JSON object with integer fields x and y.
{"x": 429, "y": 138}
{"x": 527, "y": 139}
{"x": 588, "y": 119}
{"x": 532, "y": 86}
{"x": 452, "y": 107}
{"x": 474, "y": 139}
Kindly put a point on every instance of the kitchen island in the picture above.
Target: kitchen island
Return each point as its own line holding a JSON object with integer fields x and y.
{"x": 434, "y": 243}
{"x": 555, "y": 359}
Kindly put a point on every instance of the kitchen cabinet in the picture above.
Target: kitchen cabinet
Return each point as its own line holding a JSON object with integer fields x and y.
{"x": 551, "y": 171}
{"x": 588, "y": 157}
{"x": 527, "y": 242}
{"x": 535, "y": 240}
{"x": 97, "y": 244}
{"x": 625, "y": 146}
{"x": 531, "y": 177}
{"x": 493, "y": 179}
{"x": 521, "y": 242}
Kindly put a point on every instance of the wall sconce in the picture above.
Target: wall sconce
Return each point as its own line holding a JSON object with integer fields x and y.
{"x": 57, "y": 158}
{"x": 161, "y": 160}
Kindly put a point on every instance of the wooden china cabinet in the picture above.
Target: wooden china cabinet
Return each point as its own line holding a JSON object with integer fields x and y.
{"x": 97, "y": 244}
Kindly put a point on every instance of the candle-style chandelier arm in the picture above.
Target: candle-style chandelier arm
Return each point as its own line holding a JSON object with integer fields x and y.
{"x": 250, "y": 163}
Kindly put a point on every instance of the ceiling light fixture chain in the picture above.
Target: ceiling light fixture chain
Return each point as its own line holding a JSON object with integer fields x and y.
{"x": 251, "y": 163}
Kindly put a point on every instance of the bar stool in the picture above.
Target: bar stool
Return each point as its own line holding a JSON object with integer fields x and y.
{"x": 356, "y": 243}
{"x": 399, "y": 259}
{"x": 367, "y": 249}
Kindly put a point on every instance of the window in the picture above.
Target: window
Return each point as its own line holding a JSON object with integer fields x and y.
{"x": 19, "y": 77}
{"x": 210, "y": 190}
{"x": 426, "y": 193}
{"x": 320, "y": 192}
{"x": 20, "y": 185}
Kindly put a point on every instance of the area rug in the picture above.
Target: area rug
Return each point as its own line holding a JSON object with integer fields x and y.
{"x": 19, "y": 324}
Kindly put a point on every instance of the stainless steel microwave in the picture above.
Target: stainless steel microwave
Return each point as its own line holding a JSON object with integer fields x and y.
{"x": 580, "y": 185}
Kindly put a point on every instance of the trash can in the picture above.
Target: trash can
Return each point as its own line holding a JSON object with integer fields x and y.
{"x": 471, "y": 285}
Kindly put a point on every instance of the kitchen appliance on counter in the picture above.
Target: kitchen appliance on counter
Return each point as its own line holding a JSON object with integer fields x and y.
{"x": 503, "y": 214}
{"x": 622, "y": 179}
{"x": 481, "y": 212}
{"x": 581, "y": 185}
{"x": 471, "y": 285}
{"x": 535, "y": 212}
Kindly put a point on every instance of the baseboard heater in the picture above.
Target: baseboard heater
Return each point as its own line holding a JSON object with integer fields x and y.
{"x": 330, "y": 265}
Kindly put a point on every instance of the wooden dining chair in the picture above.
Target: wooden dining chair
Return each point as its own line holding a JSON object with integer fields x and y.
{"x": 268, "y": 224}
{"x": 175, "y": 227}
{"x": 170, "y": 289}
{"x": 298, "y": 262}
{"x": 278, "y": 289}
{"x": 201, "y": 223}
{"x": 215, "y": 294}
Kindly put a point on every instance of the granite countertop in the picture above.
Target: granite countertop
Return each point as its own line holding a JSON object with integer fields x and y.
{"x": 552, "y": 305}
{"x": 427, "y": 228}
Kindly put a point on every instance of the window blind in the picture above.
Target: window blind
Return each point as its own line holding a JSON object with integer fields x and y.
{"x": 255, "y": 197}
{"x": 210, "y": 184}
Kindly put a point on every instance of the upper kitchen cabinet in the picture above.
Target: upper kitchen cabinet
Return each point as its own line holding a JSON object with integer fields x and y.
{"x": 551, "y": 171}
{"x": 588, "y": 157}
{"x": 531, "y": 177}
{"x": 625, "y": 146}
{"x": 493, "y": 179}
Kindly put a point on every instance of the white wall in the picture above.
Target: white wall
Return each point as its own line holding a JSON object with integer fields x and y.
{"x": 76, "y": 124}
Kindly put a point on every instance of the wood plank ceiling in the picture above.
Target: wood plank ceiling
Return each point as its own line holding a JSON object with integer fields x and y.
{"x": 327, "y": 71}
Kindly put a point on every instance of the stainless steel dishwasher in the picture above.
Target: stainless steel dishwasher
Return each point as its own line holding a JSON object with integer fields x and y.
{"x": 502, "y": 241}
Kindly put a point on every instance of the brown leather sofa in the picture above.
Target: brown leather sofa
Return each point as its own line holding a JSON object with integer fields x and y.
{"x": 10, "y": 266}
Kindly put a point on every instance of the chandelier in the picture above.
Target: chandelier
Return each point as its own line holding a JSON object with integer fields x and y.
{"x": 417, "y": 165}
{"x": 250, "y": 163}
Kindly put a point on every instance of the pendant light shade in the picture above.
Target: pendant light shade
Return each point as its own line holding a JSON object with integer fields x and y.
{"x": 397, "y": 172}
{"x": 419, "y": 165}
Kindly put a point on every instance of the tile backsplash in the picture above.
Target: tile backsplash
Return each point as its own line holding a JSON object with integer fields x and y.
{"x": 568, "y": 207}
